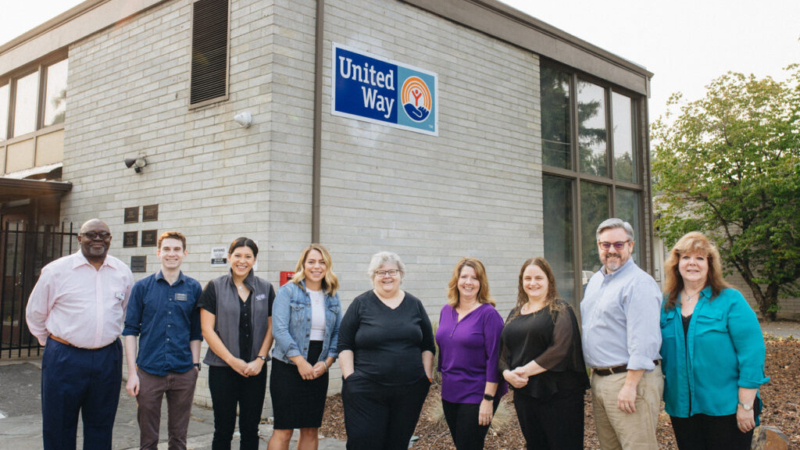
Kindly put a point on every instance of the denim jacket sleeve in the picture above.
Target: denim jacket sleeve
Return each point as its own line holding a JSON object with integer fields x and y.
{"x": 333, "y": 351}
{"x": 281, "y": 316}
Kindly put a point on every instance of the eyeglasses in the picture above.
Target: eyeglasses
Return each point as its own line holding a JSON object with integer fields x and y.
{"x": 92, "y": 235}
{"x": 617, "y": 245}
{"x": 383, "y": 273}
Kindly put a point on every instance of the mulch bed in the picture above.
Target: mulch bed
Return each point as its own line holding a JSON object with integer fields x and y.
{"x": 781, "y": 398}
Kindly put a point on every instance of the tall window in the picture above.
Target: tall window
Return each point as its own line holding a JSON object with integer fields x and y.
{"x": 209, "y": 51}
{"x": 33, "y": 100}
{"x": 592, "y": 171}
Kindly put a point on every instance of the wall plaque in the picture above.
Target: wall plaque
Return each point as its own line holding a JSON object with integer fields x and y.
{"x": 138, "y": 263}
{"x": 132, "y": 214}
{"x": 149, "y": 213}
{"x": 149, "y": 238}
{"x": 130, "y": 239}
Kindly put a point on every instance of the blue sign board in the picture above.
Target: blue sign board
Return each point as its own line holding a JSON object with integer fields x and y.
{"x": 374, "y": 89}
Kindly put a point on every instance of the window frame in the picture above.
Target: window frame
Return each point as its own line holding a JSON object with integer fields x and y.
{"x": 221, "y": 98}
{"x": 576, "y": 176}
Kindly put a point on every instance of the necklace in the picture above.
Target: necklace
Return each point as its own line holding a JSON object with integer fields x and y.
{"x": 694, "y": 296}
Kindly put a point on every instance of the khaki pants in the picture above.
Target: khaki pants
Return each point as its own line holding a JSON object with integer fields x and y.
{"x": 179, "y": 388}
{"x": 618, "y": 430}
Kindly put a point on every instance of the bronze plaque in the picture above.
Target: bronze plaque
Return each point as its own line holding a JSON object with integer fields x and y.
{"x": 149, "y": 238}
{"x": 132, "y": 215}
{"x": 149, "y": 213}
{"x": 138, "y": 263}
{"x": 130, "y": 238}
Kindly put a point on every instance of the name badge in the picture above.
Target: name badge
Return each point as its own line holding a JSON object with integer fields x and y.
{"x": 120, "y": 296}
{"x": 260, "y": 297}
{"x": 180, "y": 297}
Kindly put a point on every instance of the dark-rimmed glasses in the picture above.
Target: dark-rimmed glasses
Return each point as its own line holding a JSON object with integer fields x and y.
{"x": 617, "y": 245}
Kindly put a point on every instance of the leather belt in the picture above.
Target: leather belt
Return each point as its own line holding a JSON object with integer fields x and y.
{"x": 63, "y": 341}
{"x": 604, "y": 372}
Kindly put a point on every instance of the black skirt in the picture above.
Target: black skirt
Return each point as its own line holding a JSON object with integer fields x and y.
{"x": 297, "y": 403}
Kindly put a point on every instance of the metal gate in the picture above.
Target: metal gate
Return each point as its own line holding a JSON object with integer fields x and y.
{"x": 26, "y": 249}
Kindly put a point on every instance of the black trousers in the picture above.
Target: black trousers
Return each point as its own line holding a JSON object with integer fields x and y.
{"x": 462, "y": 419}
{"x": 555, "y": 423}
{"x": 228, "y": 389}
{"x": 702, "y": 432}
{"x": 378, "y": 417}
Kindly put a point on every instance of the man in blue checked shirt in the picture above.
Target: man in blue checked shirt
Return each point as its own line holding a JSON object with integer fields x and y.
{"x": 162, "y": 313}
{"x": 621, "y": 312}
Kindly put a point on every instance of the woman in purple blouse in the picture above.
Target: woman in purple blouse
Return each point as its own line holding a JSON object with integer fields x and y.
{"x": 469, "y": 348}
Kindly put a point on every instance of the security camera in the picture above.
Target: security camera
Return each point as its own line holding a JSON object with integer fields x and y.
{"x": 137, "y": 163}
{"x": 244, "y": 119}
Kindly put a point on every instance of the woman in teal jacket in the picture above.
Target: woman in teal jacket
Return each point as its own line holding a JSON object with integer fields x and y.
{"x": 712, "y": 349}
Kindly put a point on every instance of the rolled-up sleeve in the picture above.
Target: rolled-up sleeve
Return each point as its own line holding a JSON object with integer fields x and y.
{"x": 281, "y": 317}
{"x": 39, "y": 304}
{"x": 492, "y": 329}
{"x": 643, "y": 316}
{"x": 133, "y": 314}
{"x": 748, "y": 341}
{"x": 196, "y": 332}
{"x": 333, "y": 351}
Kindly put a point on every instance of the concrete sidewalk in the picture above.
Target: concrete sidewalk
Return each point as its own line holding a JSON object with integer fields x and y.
{"x": 21, "y": 420}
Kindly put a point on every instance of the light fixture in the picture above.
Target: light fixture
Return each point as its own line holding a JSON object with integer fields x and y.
{"x": 137, "y": 163}
{"x": 244, "y": 119}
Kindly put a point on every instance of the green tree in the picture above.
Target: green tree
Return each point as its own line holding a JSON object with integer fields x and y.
{"x": 728, "y": 166}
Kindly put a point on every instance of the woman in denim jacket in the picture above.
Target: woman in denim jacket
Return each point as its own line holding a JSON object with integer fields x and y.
{"x": 306, "y": 317}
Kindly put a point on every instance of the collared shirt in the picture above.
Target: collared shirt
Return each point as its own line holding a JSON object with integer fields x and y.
{"x": 167, "y": 319}
{"x": 620, "y": 312}
{"x": 78, "y": 303}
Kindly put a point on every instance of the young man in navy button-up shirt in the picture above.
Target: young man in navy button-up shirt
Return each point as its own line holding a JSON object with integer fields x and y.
{"x": 162, "y": 313}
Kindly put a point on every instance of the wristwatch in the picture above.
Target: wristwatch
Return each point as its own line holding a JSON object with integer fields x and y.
{"x": 746, "y": 407}
{"x": 198, "y": 367}
{"x": 263, "y": 358}
{"x": 488, "y": 397}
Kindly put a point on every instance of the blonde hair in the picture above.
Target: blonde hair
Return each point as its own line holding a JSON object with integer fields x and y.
{"x": 552, "y": 293}
{"x": 692, "y": 243}
{"x": 330, "y": 283}
{"x": 452, "y": 287}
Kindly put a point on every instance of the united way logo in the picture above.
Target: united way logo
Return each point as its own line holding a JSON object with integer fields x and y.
{"x": 378, "y": 90}
{"x": 416, "y": 98}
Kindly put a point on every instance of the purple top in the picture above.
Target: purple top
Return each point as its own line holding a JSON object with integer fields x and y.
{"x": 468, "y": 353}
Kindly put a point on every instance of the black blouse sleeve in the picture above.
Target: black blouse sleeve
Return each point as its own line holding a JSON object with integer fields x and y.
{"x": 563, "y": 341}
{"x": 504, "y": 361}
{"x": 208, "y": 299}
{"x": 427, "y": 331}
{"x": 348, "y": 327}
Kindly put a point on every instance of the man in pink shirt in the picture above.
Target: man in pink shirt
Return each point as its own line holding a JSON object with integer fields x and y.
{"x": 77, "y": 309}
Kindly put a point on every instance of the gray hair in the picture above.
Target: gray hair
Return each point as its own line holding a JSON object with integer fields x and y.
{"x": 381, "y": 258}
{"x": 610, "y": 224}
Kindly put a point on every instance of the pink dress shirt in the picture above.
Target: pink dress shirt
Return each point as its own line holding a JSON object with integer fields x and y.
{"x": 78, "y": 303}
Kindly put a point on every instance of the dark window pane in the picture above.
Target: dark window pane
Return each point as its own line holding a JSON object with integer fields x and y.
{"x": 624, "y": 139}
{"x": 594, "y": 210}
{"x": 25, "y": 104}
{"x": 4, "y": 100}
{"x": 209, "y": 50}
{"x": 55, "y": 105}
{"x": 592, "y": 134}
{"x": 554, "y": 89}
{"x": 558, "y": 234}
{"x": 628, "y": 210}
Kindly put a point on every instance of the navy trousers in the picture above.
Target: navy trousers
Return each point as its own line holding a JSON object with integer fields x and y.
{"x": 76, "y": 380}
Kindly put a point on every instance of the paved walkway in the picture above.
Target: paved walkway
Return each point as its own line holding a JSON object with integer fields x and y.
{"x": 21, "y": 419}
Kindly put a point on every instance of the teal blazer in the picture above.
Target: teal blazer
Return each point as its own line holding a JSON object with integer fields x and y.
{"x": 723, "y": 351}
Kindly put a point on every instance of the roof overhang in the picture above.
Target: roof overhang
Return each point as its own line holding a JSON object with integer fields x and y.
{"x": 12, "y": 189}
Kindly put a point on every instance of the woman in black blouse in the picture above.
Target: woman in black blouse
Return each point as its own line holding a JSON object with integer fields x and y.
{"x": 386, "y": 355}
{"x": 542, "y": 359}
{"x": 236, "y": 319}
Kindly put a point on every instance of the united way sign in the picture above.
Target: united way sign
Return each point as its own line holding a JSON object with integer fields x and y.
{"x": 378, "y": 90}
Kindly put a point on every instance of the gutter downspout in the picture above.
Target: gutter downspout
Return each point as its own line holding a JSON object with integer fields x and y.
{"x": 317, "y": 150}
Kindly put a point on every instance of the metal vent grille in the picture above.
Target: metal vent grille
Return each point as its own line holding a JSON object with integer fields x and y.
{"x": 209, "y": 50}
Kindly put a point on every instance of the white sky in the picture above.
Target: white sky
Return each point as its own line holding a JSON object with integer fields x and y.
{"x": 685, "y": 43}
